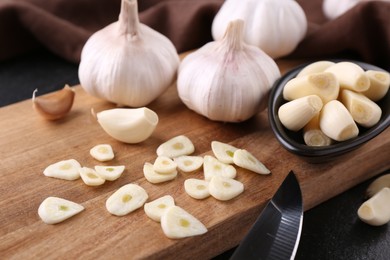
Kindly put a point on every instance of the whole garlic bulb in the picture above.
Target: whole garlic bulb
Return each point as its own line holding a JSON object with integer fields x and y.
{"x": 227, "y": 80}
{"x": 275, "y": 26}
{"x": 334, "y": 8}
{"x": 127, "y": 62}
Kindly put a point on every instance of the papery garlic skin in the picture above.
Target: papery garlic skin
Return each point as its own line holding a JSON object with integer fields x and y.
{"x": 127, "y": 62}
{"x": 275, "y": 26}
{"x": 227, "y": 80}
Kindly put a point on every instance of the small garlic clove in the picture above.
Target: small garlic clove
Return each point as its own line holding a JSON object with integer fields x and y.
{"x": 246, "y": 160}
{"x": 197, "y": 189}
{"x": 102, "y": 152}
{"x": 376, "y": 210}
{"x": 224, "y": 189}
{"x": 350, "y": 76}
{"x": 175, "y": 147}
{"x": 378, "y": 184}
{"x": 54, "y": 210}
{"x": 156, "y": 208}
{"x": 313, "y": 135}
{"x": 65, "y": 170}
{"x": 224, "y": 152}
{"x": 109, "y": 173}
{"x": 90, "y": 177}
{"x": 126, "y": 199}
{"x": 54, "y": 105}
{"x": 315, "y": 67}
{"x": 379, "y": 84}
{"x": 214, "y": 167}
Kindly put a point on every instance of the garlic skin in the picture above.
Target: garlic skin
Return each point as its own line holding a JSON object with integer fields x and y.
{"x": 127, "y": 62}
{"x": 334, "y": 8}
{"x": 275, "y": 26}
{"x": 227, "y": 80}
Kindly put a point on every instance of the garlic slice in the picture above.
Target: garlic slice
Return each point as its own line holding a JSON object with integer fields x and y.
{"x": 376, "y": 210}
{"x": 54, "y": 210}
{"x": 90, "y": 177}
{"x": 379, "y": 84}
{"x": 128, "y": 125}
{"x": 156, "y": 208}
{"x": 213, "y": 167}
{"x": 223, "y": 188}
{"x": 378, "y": 184}
{"x": 350, "y": 76}
{"x": 177, "y": 223}
{"x": 164, "y": 165}
{"x": 175, "y": 147}
{"x": 246, "y": 160}
{"x": 102, "y": 152}
{"x": 224, "y": 152}
{"x": 126, "y": 199}
{"x": 155, "y": 177}
{"x": 109, "y": 173}
{"x": 188, "y": 163}
{"x": 66, "y": 170}
{"x": 197, "y": 189}
{"x": 315, "y": 67}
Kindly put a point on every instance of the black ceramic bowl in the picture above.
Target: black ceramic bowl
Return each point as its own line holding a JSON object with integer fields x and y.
{"x": 293, "y": 141}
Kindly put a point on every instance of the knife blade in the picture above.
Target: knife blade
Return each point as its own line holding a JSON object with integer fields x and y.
{"x": 277, "y": 230}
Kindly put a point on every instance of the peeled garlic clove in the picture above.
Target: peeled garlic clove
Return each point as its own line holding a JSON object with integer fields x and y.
{"x": 109, "y": 173}
{"x": 336, "y": 122}
{"x": 128, "y": 125}
{"x": 376, "y": 210}
{"x": 155, "y": 177}
{"x": 54, "y": 210}
{"x": 187, "y": 163}
{"x": 126, "y": 199}
{"x": 246, "y": 160}
{"x": 175, "y": 147}
{"x": 177, "y": 223}
{"x": 350, "y": 76}
{"x": 197, "y": 189}
{"x": 224, "y": 152}
{"x": 156, "y": 208}
{"x": 102, "y": 152}
{"x": 66, "y": 170}
{"x": 313, "y": 135}
{"x": 295, "y": 114}
{"x": 378, "y": 184}
{"x": 315, "y": 67}
{"x": 379, "y": 84}
{"x": 364, "y": 111}
{"x": 224, "y": 189}
{"x": 54, "y": 105}
{"x": 90, "y": 177}
{"x": 164, "y": 165}
{"x": 323, "y": 84}
{"x": 213, "y": 167}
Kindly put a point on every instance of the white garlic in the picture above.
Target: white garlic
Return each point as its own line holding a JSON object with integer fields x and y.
{"x": 275, "y": 26}
{"x": 127, "y": 62}
{"x": 334, "y": 8}
{"x": 227, "y": 80}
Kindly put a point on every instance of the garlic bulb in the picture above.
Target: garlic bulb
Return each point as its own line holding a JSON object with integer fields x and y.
{"x": 275, "y": 26}
{"x": 334, "y": 8}
{"x": 227, "y": 80}
{"x": 127, "y": 62}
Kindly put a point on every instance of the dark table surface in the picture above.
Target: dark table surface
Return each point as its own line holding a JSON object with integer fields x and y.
{"x": 331, "y": 230}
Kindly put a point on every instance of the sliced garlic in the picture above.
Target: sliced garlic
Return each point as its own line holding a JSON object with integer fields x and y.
{"x": 336, "y": 122}
{"x": 155, "y": 177}
{"x": 224, "y": 152}
{"x": 246, "y": 160}
{"x": 102, "y": 152}
{"x": 128, "y": 125}
{"x": 54, "y": 105}
{"x": 213, "y": 167}
{"x": 109, "y": 173}
{"x": 295, "y": 114}
{"x": 379, "y": 84}
{"x": 54, "y": 210}
{"x": 126, "y": 199}
{"x": 188, "y": 163}
{"x": 315, "y": 67}
{"x": 197, "y": 189}
{"x": 378, "y": 184}
{"x": 175, "y": 147}
{"x": 350, "y": 76}
{"x": 223, "y": 188}
{"x": 376, "y": 210}
{"x": 323, "y": 84}
{"x": 156, "y": 208}
{"x": 66, "y": 170}
{"x": 164, "y": 165}
{"x": 364, "y": 111}
{"x": 313, "y": 135}
{"x": 90, "y": 177}
{"x": 177, "y": 223}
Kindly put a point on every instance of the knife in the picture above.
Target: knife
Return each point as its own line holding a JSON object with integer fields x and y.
{"x": 276, "y": 232}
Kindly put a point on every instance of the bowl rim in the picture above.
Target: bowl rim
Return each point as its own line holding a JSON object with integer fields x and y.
{"x": 283, "y": 136}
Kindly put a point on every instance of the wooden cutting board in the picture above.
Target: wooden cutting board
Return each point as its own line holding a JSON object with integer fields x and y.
{"x": 29, "y": 144}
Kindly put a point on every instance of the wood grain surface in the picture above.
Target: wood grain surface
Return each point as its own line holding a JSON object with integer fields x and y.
{"x": 29, "y": 144}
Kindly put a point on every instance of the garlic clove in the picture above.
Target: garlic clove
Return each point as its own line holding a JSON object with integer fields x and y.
{"x": 109, "y": 173}
{"x": 315, "y": 67}
{"x": 313, "y": 135}
{"x": 175, "y": 147}
{"x": 155, "y": 177}
{"x": 187, "y": 163}
{"x": 90, "y": 177}
{"x": 350, "y": 76}
{"x": 156, "y": 208}
{"x": 246, "y": 160}
{"x": 224, "y": 152}
{"x": 54, "y": 105}
{"x": 197, "y": 189}
{"x": 126, "y": 199}
{"x": 379, "y": 84}
{"x": 376, "y": 210}
{"x": 66, "y": 170}
{"x": 54, "y": 210}
{"x": 223, "y": 188}
{"x": 128, "y": 125}
{"x": 213, "y": 167}
{"x": 378, "y": 184}
{"x": 102, "y": 152}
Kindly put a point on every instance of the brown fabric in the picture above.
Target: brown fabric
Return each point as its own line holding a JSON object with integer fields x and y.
{"x": 63, "y": 26}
